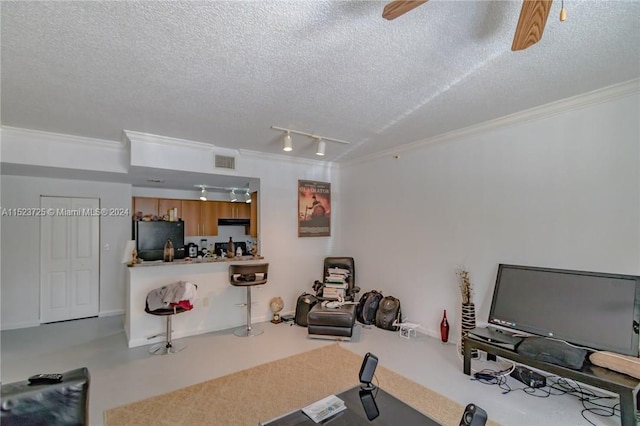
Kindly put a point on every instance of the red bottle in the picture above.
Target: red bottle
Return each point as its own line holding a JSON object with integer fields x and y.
{"x": 444, "y": 328}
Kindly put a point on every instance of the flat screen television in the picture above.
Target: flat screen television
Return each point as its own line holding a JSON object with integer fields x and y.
{"x": 595, "y": 310}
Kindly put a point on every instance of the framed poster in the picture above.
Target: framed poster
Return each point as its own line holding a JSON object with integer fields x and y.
{"x": 314, "y": 209}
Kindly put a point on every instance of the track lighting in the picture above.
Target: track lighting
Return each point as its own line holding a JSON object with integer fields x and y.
{"x": 288, "y": 146}
{"x": 247, "y": 197}
{"x": 203, "y": 194}
{"x": 232, "y": 196}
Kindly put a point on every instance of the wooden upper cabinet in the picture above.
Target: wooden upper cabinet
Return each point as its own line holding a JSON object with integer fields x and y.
{"x": 253, "y": 226}
{"x": 164, "y": 205}
{"x": 200, "y": 218}
{"x": 148, "y": 206}
{"x": 191, "y": 214}
{"x": 227, "y": 210}
{"x": 209, "y": 217}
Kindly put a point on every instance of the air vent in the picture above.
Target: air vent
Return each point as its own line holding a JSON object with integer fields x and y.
{"x": 225, "y": 162}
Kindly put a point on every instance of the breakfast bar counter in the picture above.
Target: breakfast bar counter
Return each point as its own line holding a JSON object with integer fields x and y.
{"x": 216, "y": 307}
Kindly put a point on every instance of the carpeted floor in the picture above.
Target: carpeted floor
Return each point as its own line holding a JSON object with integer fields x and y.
{"x": 269, "y": 390}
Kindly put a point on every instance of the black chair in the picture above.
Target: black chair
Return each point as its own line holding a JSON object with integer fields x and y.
{"x": 335, "y": 323}
{"x": 63, "y": 403}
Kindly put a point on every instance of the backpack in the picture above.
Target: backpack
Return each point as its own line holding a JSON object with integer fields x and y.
{"x": 367, "y": 307}
{"x": 388, "y": 312}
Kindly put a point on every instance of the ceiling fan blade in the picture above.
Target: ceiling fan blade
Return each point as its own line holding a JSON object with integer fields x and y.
{"x": 399, "y": 7}
{"x": 533, "y": 17}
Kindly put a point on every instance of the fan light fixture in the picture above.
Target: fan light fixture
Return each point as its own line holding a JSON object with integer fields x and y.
{"x": 563, "y": 13}
{"x": 288, "y": 145}
{"x": 232, "y": 196}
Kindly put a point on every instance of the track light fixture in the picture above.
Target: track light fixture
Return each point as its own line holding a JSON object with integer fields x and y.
{"x": 232, "y": 196}
{"x": 247, "y": 197}
{"x": 203, "y": 193}
{"x": 288, "y": 145}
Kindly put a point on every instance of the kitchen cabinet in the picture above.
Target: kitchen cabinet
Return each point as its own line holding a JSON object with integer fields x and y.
{"x": 200, "y": 218}
{"x": 148, "y": 206}
{"x": 228, "y": 210}
{"x": 253, "y": 225}
{"x": 164, "y": 205}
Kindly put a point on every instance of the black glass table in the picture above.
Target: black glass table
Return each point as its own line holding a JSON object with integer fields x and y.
{"x": 362, "y": 405}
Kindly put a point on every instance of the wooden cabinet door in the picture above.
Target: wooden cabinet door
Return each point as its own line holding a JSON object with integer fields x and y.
{"x": 227, "y": 210}
{"x": 165, "y": 204}
{"x": 148, "y": 206}
{"x": 242, "y": 210}
{"x": 191, "y": 214}
{"x": 209, "y": 217}
{"x": 253, "y": 225}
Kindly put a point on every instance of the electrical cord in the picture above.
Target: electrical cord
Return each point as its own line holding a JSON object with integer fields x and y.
{"x": 592, "y": 402}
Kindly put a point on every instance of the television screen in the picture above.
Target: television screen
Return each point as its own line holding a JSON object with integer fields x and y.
{"x": 595, "y": 310}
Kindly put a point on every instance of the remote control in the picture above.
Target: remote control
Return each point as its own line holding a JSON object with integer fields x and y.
{"x": 45, "y": 379}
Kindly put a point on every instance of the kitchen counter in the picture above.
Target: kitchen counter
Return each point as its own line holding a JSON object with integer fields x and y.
{"x": 189, "y": 261}
{"x": 216, "y": 308}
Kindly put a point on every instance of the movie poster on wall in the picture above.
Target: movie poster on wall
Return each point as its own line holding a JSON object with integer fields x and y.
{"x": 314, "y": 209}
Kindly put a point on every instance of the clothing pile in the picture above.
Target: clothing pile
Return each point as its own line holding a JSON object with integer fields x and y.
{"x": 181, "y": 294}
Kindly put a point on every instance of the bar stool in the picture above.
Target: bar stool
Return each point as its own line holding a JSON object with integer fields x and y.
{"x": 167, "y": 347}
{"x": 248, "y": 276}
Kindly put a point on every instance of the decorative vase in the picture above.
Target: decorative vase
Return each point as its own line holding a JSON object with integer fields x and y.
{"x": 468, "y": 323}
{"x": 168, "y": 251}
{"x": 444, "y": 328}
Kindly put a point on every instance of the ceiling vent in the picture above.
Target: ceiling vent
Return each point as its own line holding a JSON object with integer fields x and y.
{"x": 225, "y": 162}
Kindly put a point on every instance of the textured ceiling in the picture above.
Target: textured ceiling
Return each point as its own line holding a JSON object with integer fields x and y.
{"x": 224, "y": 72}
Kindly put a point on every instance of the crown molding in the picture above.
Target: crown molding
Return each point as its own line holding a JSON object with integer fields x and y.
{"x": 129, "y": 136}
{"x": 573, "y": 103}
{"x": 17, "y": 134}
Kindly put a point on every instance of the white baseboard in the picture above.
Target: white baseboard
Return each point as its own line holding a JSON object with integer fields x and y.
{"x": 26, "y": 324}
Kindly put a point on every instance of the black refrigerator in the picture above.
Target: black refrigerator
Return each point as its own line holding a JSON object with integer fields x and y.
{"x": 151, "y": 237}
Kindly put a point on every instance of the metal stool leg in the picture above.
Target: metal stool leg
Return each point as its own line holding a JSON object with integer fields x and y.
{"x": 168, "y": 347}
{"x": 248, "y": 330}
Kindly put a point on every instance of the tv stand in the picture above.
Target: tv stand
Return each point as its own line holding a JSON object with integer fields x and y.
{"x": 625, "y": 386}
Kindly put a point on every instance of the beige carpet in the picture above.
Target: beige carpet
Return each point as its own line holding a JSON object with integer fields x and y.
{"x": 269, "y": 390}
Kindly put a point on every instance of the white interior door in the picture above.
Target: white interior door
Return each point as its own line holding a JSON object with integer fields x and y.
{"x": 69, "y": 259}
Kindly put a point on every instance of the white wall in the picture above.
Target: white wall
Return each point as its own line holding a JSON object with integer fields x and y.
{"x": 558, "y": 191}
{"x": 561, "y": 191}
{"x": 20, "y": 284}
{"x": 294, "y": 262}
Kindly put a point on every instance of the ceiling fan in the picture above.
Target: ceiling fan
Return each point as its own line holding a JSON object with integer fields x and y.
{"x": 533, "y": 17}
